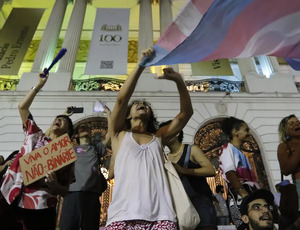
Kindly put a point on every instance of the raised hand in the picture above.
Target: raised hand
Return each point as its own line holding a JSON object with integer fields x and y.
{"x": 170, "y": 74}
{"x": 42, "y": 80}
{"x": 107, "y": 111}
{"x": 147, "y": 55}
{"x": 69, "y": 113}
{"x": 8, "y": 163}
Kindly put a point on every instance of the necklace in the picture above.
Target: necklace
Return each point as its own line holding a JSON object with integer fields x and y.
{"x": 180, "y": 151}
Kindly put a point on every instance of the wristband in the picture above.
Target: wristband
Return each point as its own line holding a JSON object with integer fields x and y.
{"x": 34, "y": 89}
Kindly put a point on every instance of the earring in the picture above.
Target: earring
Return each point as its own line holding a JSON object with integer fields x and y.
{"x": 287, "y": 137}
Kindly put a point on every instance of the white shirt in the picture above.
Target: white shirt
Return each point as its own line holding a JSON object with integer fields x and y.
{"x": 141, "y": 190}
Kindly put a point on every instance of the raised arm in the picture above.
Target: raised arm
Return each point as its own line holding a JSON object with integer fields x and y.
{"x": 206, "y": 170}
{"x": 118, "y": 114}
{"x": 106, "y": 141}
{"x": 186, "y": 108}
{"x": 26, "y": 102}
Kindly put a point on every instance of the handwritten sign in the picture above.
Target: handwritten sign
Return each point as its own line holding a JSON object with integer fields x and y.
{"x": 53, "y": 156}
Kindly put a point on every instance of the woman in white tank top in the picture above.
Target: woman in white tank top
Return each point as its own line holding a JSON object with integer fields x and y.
{"x": 141, "y": 195}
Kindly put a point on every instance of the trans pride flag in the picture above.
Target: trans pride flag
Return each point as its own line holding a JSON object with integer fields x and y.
{"x": 208, "y": 30}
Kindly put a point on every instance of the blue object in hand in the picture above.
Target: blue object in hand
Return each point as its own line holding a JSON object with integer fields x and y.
{"x": 60, "y": 54}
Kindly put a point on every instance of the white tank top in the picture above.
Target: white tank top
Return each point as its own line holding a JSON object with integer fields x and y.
{"x": 141, "y": 190}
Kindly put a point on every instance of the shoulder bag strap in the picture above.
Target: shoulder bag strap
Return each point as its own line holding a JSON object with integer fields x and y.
{"x": 187, "y": 156}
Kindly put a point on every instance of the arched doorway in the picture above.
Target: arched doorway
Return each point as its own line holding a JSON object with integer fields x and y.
{"x": 210, "y": 138}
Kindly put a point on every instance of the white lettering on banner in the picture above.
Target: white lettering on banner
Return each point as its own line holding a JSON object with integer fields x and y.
{"x": 15, "y": 38}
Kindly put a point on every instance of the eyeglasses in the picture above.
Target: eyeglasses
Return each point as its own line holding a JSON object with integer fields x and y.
{"x": 259, "y": 207}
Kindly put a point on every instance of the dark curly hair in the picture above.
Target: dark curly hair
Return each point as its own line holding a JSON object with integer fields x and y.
{"x": 229, "y": 124}
{"x": 152, "y": 124}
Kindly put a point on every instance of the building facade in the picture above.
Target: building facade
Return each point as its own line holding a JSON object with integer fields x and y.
{"x": 260, "y": 101}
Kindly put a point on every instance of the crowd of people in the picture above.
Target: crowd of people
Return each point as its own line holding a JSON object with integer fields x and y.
{"x": 141, "y": 196}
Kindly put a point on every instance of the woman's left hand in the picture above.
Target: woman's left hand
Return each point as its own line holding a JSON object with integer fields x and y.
{"x": 179, "y": 169}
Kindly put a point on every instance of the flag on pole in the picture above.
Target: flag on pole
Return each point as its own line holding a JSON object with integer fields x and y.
{"x": 231, "y": 29}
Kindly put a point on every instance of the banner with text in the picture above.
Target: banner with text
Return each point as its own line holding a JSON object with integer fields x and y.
{"x": 109, "y": 45}
{"x": 53, "y": 156}
{"x": 218, "y": 67}
{"x": 15, "y": 38}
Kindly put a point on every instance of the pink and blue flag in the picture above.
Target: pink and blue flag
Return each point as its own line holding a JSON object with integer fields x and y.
{"x": 208, "y": 30}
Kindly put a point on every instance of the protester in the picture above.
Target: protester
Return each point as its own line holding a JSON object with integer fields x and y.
{"x": 81, "y": 206}
{"x": 288, "y": 153}
{"x": 8, "y": 216}
{"x": 37, "y": 202}
{"x": 221, "y": 206}
{"x": 141, "y": 197}
{"x": 235, "y": 167}
{"x": 193, "y": 167}
{"x": 256, "y": 210}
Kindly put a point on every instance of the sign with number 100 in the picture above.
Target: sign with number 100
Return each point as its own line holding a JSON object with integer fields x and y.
{"x": 110, "y": 38}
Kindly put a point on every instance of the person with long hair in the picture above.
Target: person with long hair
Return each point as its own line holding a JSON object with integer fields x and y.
{"x": 141, "y": 197}
{"x": 289, "y": 148}
{"x": 235, "y": 167}
{"x": 193, "y": 167}
{"x": 288, "y": 153}
{"x": 36, "y": 203}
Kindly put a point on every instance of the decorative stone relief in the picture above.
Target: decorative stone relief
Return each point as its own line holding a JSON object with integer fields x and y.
{"x": 221, "y": 108}
{"x": 214, "y": 85}
{"x": 7, "y": 84}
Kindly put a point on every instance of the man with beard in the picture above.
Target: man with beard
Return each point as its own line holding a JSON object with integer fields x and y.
{"x": 256, "y": 210}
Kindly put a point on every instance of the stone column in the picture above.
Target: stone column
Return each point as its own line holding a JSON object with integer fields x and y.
{"x": 166, "y": 18}
{"x": 145, "y": 26}
{"x": 146, "y": 81}
{"x": 46, "y": 50}
{"x": 272, "y": 81}
{"x": 72, "y": 38}
{"x": 274, "y": 63}
{"x": 246, "y": 65}
{"x": 59, "y": 81}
